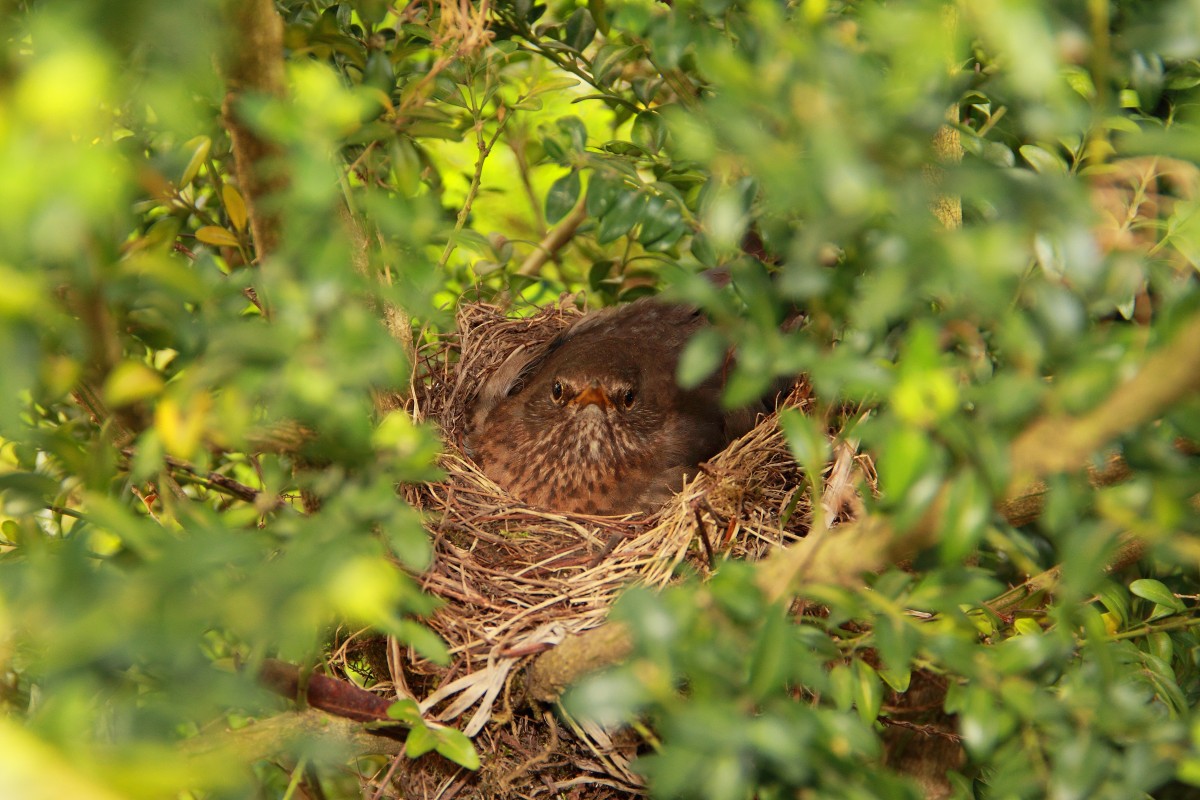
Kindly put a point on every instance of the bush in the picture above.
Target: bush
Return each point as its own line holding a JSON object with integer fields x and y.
{"x": 214, "y": 287}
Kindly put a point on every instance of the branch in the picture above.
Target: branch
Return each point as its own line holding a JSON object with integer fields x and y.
{"x": 270, "y": 737}
{"x": 254, "y": 65}
{"x": 1058, "y": 443}
{"x": 555, "y": 240}
{"x": 340, "y": 698}
{"x": 556, "y": 669}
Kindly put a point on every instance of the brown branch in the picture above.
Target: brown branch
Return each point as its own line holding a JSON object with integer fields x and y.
{"x": 554, "y": 670}
{"x": 1058, "y": 443}
{"x": 254, "y": 65}
{"x": 555, "y": 240}
{"x": 340, "y": 698}
{"x": 269, "y": 737}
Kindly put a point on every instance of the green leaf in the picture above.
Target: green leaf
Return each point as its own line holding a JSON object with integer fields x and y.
{"x": 575, "y": 130}
{"x": 701, "y": 357}
{"x": 1156, "y": 592}
{"x": 199, "y": 148}
{"x": 454, "y": 745}
{"x": 579, "y": 30}
{"x": 1043, "y": 161}
{"x": 423, "y": 640}
{"x": 660, "y": 219}
{"x": 235, "y": 207}
{"x": 649, "y": 132}
{"x": 621, "y": 218}
{"x": 26, "y": 492}
{"x": 772, "y": 655}
{"x": 602, "y": 193}
{"x": 968, "y": 511}
{"x": 420, "y": 741}
{"x": 562, "y": 197}
{"x": 406, "y": 711}
{"x": 806, "y": 440}
{"x": 868, "y": 691}
{"x": 599, "y": 14}
{"x": 129, "y": 382}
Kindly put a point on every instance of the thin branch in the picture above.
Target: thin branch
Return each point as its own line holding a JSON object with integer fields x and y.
{"x": 555, "y": 240}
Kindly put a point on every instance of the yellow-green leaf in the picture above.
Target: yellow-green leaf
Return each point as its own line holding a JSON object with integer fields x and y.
{"x": 235, "y": 206}
{"x": 32, "y": 770}
{"x": 217, "y": 236}
{"x": 129, "y": 382}
{"x": 181, "y": 427}
{"x": 454, "y": 745}
{"x": 199, "y": 147}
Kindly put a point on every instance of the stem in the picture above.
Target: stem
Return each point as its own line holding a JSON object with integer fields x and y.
{"x": 485, "y": 149}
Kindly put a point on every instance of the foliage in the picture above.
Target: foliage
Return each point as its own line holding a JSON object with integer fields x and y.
{"x": 195, "y": 477}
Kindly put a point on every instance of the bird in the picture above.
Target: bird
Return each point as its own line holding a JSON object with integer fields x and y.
{"x": 594, "y": 422}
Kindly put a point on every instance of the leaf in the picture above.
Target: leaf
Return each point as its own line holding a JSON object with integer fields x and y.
{"x": 1043, "y": 161}
{"x": 26, "y": 492}
{"x": 129, "y": 382}
{"x": 562, "y": 197}
{"x": 235, "y": 206}
{"x": 660, "y": 219}
{"x": 599, "y": 14}
{"x": 579, "y": 30}
{"x": 649, "y": 132}
{"x": 621, "y": 217}
{"x": 217, "y": 236}
{"x": 1156, "y": 592}
{"x": 771, "y": 658}
{"x": 701, "y": 356}
{"x": 552, "y": 85}
{"x": 575, "y": 130}
{"x": 420, "y": 741}
{"x": 602, "y": 193}
{"x": 423, "y": 640}
{"x": 867, "y": 691}
{"x": 806, "y": 440}
{"x": 406, "y": 711}
{"x": 454, "y": 745}
{"x": 199, "y": 147}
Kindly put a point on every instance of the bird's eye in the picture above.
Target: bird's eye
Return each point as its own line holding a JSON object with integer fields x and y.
{"x": 556, "y": 391}
{"x": 628, "y": 398}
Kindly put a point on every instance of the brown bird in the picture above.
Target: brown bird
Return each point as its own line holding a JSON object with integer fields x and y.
{"x": 594, "y": 421}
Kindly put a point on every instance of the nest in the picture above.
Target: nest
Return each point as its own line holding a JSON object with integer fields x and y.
{"x": 516, "y": 581}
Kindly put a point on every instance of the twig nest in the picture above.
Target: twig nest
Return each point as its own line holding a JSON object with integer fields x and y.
{"x": 517, "y": 580}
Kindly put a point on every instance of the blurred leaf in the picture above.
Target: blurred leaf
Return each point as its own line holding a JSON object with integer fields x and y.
{"x": 649, "y": 132}
{"x": 701, "y": 357}
{"x": 130, "y": 382}
{"x": 562, "y": 197}
{"x": 1043, "y": 161}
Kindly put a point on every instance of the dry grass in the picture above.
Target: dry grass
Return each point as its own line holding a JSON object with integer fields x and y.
{"x": 517, "y": 580}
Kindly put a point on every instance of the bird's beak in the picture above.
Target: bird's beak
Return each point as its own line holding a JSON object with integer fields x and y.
{"x": 592, "y": 395}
